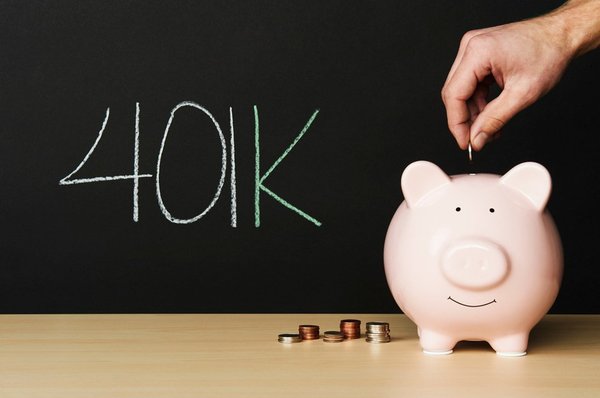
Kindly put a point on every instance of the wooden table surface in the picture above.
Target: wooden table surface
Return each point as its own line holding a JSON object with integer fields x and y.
{"x": 231, "y": 355}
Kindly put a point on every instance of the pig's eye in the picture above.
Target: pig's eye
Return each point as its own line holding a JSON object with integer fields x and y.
{"x": 457, "y": 209}
{"x": 492, "y": 210}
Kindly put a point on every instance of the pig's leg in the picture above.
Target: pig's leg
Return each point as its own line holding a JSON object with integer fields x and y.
{"x": 434, "y": 343}
{"x": 514, "y": 345}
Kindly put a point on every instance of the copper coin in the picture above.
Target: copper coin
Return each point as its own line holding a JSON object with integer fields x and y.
{"x": 350, "y": 328}
{"x": 309, "y": 332}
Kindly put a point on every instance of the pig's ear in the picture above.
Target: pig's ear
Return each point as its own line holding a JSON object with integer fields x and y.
{"x": 532, "y": 180}
{"x": 420, "y": 178}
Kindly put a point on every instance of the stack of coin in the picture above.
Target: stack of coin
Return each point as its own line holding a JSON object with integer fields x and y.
{"x": 289, "y": 338}
{"x": 309, "y": 332}
{"x": 350, "y": 328}
{"x": 333, "y": 336}
{"x": 378, "y": 332}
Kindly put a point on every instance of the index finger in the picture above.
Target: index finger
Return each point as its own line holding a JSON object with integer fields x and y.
{"x": 469, "y": 72}
{"x": 458, "y": 115}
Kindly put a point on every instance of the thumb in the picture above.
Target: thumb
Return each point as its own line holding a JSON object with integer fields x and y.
{"x": 496, "y": 114}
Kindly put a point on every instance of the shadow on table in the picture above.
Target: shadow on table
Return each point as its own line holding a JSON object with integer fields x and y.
{"x": 566, "y": 332}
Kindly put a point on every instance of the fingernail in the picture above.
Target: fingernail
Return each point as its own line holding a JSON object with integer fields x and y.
{"x": 479, "y": 140}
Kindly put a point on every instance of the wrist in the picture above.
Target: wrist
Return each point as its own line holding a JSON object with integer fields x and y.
{"x": 576, "y": 25}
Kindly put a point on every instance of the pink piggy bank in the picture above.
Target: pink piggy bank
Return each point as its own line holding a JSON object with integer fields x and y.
{"x": 474, "y": 257}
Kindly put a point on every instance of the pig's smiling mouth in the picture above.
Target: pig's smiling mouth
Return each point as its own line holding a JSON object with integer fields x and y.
{"x": 471, "y": 306}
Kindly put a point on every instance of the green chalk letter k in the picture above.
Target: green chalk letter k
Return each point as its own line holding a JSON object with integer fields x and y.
{"x": 259, "y": 180}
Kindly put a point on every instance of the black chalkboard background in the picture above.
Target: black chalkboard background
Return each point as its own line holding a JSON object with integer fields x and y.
{"x": 374, "y": 71}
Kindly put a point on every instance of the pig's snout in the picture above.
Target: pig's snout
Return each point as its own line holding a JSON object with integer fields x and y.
{"x": 475, "y": 264}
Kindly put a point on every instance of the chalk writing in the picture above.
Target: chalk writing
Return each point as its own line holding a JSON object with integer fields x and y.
{"x": 135, "y": 176}
{"x": 259, "y": 180}
{"x": 232, "y": 176}
{"x": 161, "y": 204}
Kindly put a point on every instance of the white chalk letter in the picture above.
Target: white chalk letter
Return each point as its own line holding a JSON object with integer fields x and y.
{"x": 164, "y": 210}
{"x": 135, "y": 176}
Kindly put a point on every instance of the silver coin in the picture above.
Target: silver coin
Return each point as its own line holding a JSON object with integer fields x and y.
{"x": 378, "y": 341}
{"x": 378, "y": 335}
{"x": 378, "y": 327}
{"x": 289, "y": 338}
{"x": 470, "y": 150}
{"x": 333, "y": 336}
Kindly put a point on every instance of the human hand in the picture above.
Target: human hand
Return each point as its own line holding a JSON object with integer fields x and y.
{"x": 525, "y": 59}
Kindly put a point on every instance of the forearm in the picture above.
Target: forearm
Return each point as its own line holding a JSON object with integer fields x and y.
{"x": 577, "y": 23}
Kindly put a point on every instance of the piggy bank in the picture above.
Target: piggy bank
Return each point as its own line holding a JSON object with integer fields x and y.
{"x": 474, "y": 257}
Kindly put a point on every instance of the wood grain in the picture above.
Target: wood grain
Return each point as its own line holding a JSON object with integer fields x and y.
{"x": 232, "y": 355}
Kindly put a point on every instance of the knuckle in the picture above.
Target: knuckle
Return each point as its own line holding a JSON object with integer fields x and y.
{"x": 444, "y": 94}
{"x": 449, "y": 92}
{"x": 493, "y": 124}
{"x": 477, "y": 43}
{"x": 481, "y": 46}
{"x": 470, "y": 36}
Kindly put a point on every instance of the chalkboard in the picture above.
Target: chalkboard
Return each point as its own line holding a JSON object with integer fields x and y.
{"x": 235, "y": 156}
